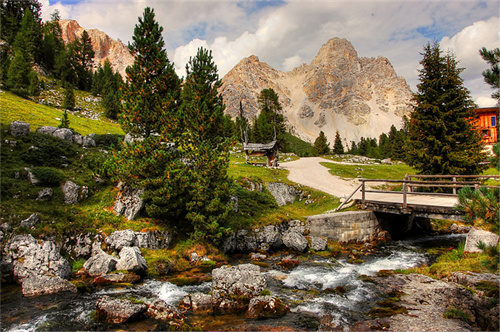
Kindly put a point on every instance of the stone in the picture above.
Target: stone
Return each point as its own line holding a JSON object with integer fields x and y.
{"x": 294, "y": 240}
{"x": 71, "y": 191}
{"x": 359, "y": 226}
{"x": 116, "y": 278}
{"x": 31, "y": 221}
{"x": 198, "y": 302}
{"x": 475, "y": 236}
{"x": 129, "y": 203}
{"x": 100, "y": 264}
{"x": 31, "y": 177}
{"x": 118, "y": 310}
{"x": 48, "y": 130}
{"x": 120, "y": 239}
{"x": 234, "y": 286}
{"x": 44, "y": 285}
{"x": 255, "y": 256}
{"x": 128, "y": 238}
{"x": 45, "y": 194}
{"x": 19, "y": 128}
{"x": 77, "y": 139}
{"x": 318, "y": 243}
{"x": 283, "y": 193}
{"x": 266, "y": 307}
{"x": 131, "y": 260}
{"x": 64, "y": 134}
{"x": 80, "y": 245}
{"x": 88, "y": 141}
{"x": 160, "y": 310}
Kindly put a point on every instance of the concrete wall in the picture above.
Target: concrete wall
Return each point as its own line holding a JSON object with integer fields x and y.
{"x": 345, "y": 226}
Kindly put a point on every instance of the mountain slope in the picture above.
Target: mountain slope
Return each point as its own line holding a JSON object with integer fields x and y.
{"x": 359, "y": 97}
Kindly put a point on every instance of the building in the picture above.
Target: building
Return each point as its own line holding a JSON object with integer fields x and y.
{"x": 487, "y": 124}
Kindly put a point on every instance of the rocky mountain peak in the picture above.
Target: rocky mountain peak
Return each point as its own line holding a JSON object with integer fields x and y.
{"x": 337, "y": 91}
{"x": 104, "y": 46}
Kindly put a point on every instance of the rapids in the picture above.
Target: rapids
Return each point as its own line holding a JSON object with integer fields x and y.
{"x": 318, "y": 289}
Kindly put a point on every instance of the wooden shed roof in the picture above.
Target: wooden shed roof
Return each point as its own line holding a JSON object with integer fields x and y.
{"x": 259, "y": 146}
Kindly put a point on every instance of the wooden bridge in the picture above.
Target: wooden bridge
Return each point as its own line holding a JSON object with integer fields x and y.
{"x": 416, "y": 195}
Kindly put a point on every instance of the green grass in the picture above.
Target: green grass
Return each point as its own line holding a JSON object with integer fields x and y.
{"x": 299, "y": 147}
{"x": 15, "y": 108}
{"x": 369, "y": 171}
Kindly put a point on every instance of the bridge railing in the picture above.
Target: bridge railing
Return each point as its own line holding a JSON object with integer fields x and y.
{"x": 408, "y": 186}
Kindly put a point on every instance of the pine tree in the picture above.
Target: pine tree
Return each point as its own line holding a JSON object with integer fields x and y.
{"x": 69, "y": 98}
{"x": 492, "y": 75}
{"x": 338, "y": 147}
{"x": 442, "y": 139}
{"x": 64, "y": 121}
{"x": 153, "y": 88}
{"x": 270, "y": 124}
{"x": 321, "y": 144}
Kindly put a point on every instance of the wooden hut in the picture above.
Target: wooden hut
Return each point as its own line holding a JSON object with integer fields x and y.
{"x": 487, "y": 124}
{"x": 270, "y": 150}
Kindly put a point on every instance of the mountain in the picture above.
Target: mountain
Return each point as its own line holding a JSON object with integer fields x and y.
{"x": 104, "y": 46}
{"x": 359, "y": 97}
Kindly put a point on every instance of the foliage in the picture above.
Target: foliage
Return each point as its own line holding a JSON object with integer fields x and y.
{"x": 107, "y": 84}
{"x": 64, "y": 120}
{"x": 69, "y": 98}
{"x": 153, "y": 88}
{"x": 270, "y": 124}
{"x": 492, "y": 75}
{"x": 493, "y": 252}
{"x": 453, "y": 312}
{"x": 321, "y": 144}
{"x": 108, "y": 141}
{"x": 338, "y": 146}
{"x": 442, "y": 139}
{"x": 48, "y": 176}
{"x": 480, "y": 206}
{"x": 48, "y": 150}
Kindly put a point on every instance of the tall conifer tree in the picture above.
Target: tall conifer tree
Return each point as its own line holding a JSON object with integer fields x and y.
{"x": 442, "y": 139}
{"x": 338, "y": 147}
{"x": 321, "y": 144}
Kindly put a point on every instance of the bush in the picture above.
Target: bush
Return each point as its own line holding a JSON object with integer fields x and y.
{"x": 48, "y": 176}
{"x": 108, "y": 140}
{"x": 48, "y": 150}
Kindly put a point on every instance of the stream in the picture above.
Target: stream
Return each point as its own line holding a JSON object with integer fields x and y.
{"x": 318, "y": 290}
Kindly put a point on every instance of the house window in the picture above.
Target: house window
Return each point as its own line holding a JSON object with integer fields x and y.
{"x": 493, "y": 121}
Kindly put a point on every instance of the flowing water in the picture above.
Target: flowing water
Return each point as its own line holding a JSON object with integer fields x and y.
{"x": 320, "y": 287}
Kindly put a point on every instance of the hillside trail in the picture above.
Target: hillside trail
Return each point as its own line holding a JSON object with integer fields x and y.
{"x": 309, "y": 172}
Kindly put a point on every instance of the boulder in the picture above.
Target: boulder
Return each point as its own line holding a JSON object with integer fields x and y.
{"x": 128, "y": 238}
{"x": 48, "y": 130}
{"x": 129, "y": 202}
{"x": 45, "y": 194}
{"x": 80, "y": 245}
{"x": 77, "y": 139}
{"x": 478, "y": 235}
{"x": 283, "y": 193}
{"x": 43, "y": 285}
{"x": 266, "y": 307}
{"x": 234, "y": 286}
{"x": 100, "y": 264}
{"x": 197, "y": 302}
{"x": 118, "y": 310}
{"x": 71, "y": 191}
{"x": 294, "y": 240}
{"x": 64, "y": 133}
{"x": 19, "y": 128}
{"x": 268, "y": 237}
{"x": 131, "y": 260}
{"x": 30, "y": 221}
{"x": 31, "y": 177}
{"x": 88, "y": 141}
{"x": 161, "y": 310}
{"x": 318, "y": 243}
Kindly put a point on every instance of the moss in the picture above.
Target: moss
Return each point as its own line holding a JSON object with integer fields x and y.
{"x": 455, "y": 313}
{"x": 265, "y": 292}
{"x": 490, "y": 288}
{"x": 379, "y": 312}
{"x": 261, "y": 264}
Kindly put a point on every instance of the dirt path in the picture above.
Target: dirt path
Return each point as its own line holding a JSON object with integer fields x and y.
{"x": 309, "y": 172}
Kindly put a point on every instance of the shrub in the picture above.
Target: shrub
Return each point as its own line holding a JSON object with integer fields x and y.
{"x": 108, "y": 140}
{"x": 48, "y": 150}
{"x": 48, "y": 176}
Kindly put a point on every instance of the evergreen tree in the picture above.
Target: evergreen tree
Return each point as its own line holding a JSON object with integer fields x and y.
{"x": 442, "y": 139}
{"x": 492, "y": 75}
{"x": 69, "y": 98}
{"x": 241, "y": 125}
{"x": 338, "y": 147}
{"x": 321, "y": 144}
{"x": 107, "y": 84}
{"x": 34, "y": 86}
{"x": 153, "y": 87}
{"x": 64, "y": 121}
{"x": 270, "y": 124}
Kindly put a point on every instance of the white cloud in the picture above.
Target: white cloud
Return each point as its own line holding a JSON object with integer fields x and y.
{"x": 292, "y": 62}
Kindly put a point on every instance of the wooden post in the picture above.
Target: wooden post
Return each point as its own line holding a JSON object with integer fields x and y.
{"x": 454, "y": 185}
{"x": 405, "y": 190}
{"x": 363, "y": 192}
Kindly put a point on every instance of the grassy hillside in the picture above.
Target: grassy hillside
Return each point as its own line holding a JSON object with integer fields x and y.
{"x": 299, "y": 147}
{"x": 14, "y": 108}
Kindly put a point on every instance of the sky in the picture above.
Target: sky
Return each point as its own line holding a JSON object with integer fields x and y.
{"x": 286, "y": 33}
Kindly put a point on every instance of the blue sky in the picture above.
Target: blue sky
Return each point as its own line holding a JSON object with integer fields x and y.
{"x": 287, "y": 33}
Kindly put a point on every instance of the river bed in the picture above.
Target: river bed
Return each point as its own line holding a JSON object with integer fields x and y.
{"x": 319, "y": 290}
